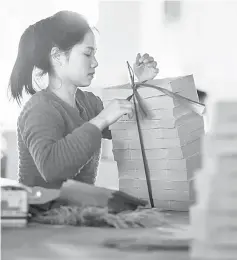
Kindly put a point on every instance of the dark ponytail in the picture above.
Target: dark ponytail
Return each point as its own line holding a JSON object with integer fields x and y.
{"x": 21, "y": 76}
{"x": 64, "y": 30}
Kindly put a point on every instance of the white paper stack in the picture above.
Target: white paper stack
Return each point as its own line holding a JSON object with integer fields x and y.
{"x": 214, "y": 217}
{"x": 172, "y": 139}
{"x": 14, "y": 203}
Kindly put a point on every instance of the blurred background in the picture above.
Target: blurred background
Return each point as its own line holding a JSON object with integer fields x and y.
{"x": 185, "y": 37}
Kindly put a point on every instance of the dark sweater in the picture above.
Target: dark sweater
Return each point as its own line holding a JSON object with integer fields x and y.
{"x": 56, "y": 142}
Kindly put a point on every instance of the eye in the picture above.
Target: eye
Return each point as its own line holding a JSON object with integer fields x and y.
{"x": 88, "y": 54}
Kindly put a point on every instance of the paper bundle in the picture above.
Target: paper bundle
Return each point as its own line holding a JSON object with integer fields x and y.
{"x": 14, "y": 203}
{"x": 171, "y": 136}
{"x": 213, "y": 218}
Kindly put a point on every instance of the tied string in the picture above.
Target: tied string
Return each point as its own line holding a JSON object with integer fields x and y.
{"x": 136, "y": 96}
{"x": 196, "y": 107}
{"x": 144, "y": 112}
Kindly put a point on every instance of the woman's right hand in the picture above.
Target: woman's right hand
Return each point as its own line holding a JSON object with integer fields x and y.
{"x": 114, "y": 111}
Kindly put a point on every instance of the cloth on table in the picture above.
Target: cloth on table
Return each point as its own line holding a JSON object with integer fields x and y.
{"x": 98, "y": 217}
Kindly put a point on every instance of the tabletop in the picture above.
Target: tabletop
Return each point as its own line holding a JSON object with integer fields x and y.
{"x": 67, "y": 242}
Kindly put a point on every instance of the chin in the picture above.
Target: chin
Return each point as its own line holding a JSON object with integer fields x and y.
{"x": 84, "y": 84}
{"x": 87, "y": 84}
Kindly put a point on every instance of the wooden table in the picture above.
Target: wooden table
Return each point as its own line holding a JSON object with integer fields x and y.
{"x": 67, "y": 242}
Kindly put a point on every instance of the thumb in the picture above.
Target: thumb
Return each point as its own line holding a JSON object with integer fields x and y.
{"x": 138, "y": 59}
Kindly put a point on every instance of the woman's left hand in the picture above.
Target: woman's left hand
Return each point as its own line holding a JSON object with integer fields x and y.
{"x": 145, "y": 67}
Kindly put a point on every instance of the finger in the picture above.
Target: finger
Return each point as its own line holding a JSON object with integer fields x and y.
{"x": 146, "y": 61}
{"x": 145, "y": 56}
{"x": 138, "y": 58}
{"x": 151, "y": 59}
{"x": 152, "y": 64}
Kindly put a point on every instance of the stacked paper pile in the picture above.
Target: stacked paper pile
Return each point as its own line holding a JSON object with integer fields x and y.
{"x": 213, "y": 218}
{"x": 14, "y": 203}
{"x": 172, "y": 143}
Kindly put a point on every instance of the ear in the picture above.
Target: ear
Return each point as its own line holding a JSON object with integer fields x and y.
{"x": 57, "y": 56}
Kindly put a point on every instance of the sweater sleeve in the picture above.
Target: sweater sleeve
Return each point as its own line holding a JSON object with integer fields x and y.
{"x": 106, "y": 133}
{"x": 56, "y": 156}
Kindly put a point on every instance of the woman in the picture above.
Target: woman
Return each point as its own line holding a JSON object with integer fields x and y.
{"x": 60, "y": 128}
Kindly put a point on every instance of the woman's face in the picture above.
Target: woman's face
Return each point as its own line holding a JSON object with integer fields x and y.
{"x": 79, "y": 69}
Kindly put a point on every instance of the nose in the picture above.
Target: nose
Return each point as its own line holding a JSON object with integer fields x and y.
{"x": 94, "y": 63}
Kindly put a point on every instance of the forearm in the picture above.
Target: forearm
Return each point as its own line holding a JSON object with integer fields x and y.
{"x": 61, "y": 160}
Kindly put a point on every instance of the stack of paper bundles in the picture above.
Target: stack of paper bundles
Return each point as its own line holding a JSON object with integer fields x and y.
{"x": 172, "y": 139}
{"x": 213, "y": 218}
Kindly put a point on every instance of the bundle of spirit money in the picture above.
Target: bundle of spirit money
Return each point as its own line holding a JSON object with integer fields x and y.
{"x": 213, "y": 217}
{"x": 171, "y": 136}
